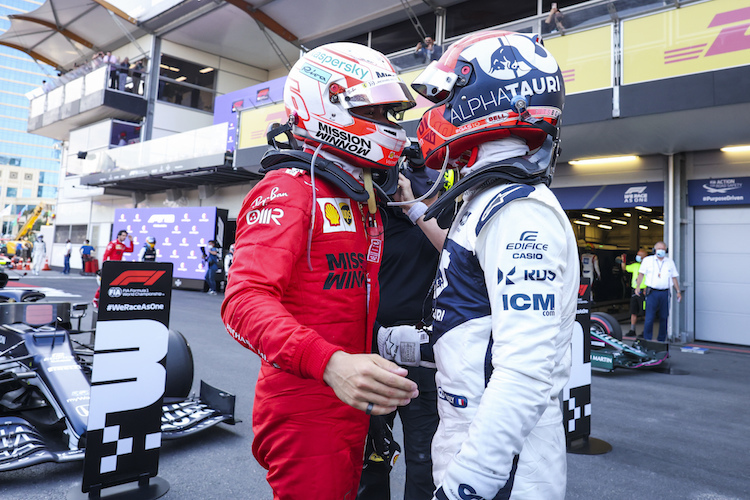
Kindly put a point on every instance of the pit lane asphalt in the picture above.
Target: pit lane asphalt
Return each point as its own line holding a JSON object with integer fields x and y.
{"x": 673, "y": 436}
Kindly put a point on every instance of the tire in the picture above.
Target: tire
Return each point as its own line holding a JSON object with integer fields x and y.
{"x": 605, "y": 323}
{"x": 179, "y": 367}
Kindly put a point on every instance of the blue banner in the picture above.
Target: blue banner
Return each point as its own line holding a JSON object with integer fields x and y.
{"x": 728, "y": 191}
{"x": 647, "y": 194}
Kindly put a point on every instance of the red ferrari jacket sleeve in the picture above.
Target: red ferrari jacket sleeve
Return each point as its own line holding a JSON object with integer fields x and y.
{"x": 129, "y": 248}
{"x": 108, "y": 252}
{"x": 272, "y": 233}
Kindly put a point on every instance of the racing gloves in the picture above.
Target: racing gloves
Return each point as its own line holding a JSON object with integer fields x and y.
{"x": 406, "y": 345}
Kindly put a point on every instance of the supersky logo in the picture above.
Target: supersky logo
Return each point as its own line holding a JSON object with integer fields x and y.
{"x": 732, "y": 38}
{"x": 146, "y": 278}
{"x": 346, "y": 66}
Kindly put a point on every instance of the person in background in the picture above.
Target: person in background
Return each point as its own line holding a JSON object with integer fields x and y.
{"x": 412, "y": 248}
{"x": 66, "y": 257}
{"x": 636, "y": 299}
{"x": 86, "y": 251}
{"x": 228, "y": 258}
{"x": 659, "y": 273}
{"x": 137, "y": 77}
{"x": 148, "y": 252}
{"x": 122, "y": 74}
{"x": 554, "y": 21}
{"x": 117, "y": 247}
{"x": 211, "y": 256}
{"x": 428, "y": 52}
{"x": 40, "y": 251}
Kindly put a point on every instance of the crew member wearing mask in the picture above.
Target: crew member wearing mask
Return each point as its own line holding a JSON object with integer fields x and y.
{"x": 636, "y": 300}
{"x": 658, "y": 271}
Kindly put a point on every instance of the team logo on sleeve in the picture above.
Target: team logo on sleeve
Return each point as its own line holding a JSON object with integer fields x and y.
{"x": 337, "y": 215}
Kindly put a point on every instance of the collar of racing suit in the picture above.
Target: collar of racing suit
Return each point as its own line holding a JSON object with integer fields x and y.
{"x": 501, "y": 161}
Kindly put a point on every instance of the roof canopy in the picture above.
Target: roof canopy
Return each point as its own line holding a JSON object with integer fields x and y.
{"x": 64, "y": 32}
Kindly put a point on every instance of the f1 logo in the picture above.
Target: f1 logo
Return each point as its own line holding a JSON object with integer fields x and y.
{"x": 529, "y": 235}
{"x": 145, "y": 278}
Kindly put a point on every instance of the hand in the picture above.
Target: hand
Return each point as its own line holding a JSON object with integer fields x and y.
{"x": 679, "y": 296}
{"x": 360, "y": 379}
{"x": 419, "y": 45}
{"x": 404, "y": 192}
{"x": 130, "y": 237}
{"x": 403, "y": 344}
{"x": 637, "y": 291}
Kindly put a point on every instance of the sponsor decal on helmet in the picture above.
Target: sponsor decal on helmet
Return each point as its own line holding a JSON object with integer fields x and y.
{"x": 344, "y": 140}
{"x": 343, "y": 65}
{"x": 315, "y": 73}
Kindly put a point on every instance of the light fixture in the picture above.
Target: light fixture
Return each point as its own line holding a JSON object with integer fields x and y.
{"x": 605, "y": 210}
{"x": 181, "y": 79}
{"x": 736, "y": 149}
{"x": 206, "y": 70}
{"x": 618, "y": 221}
{"x": 643, "y": 227}
{"x": 643, "y": 209}
{"x": 626, "y": 214}
{"x": 604, "y": 226}
{"x": 176, "y": 70}
{"x": 603, "y": 160}
{"x": 582, "y": 222}
{"x": 589, "y": 216}
{"x": 657, "y": 221}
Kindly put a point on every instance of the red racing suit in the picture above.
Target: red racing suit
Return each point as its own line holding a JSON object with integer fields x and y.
{"x": 115, "y": 249}
{"x": 295, "y": 317}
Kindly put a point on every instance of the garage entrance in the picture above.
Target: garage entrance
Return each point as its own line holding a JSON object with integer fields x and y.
{"x": 722, "y": 274}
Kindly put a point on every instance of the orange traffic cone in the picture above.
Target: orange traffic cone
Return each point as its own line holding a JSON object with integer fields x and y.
{"x": 46, "y": 265}
{"x": 27, "y": 267}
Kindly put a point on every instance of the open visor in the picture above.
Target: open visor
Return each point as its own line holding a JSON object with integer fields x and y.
{"x": 393, "y": 94}
{"x": 434, "y": 83}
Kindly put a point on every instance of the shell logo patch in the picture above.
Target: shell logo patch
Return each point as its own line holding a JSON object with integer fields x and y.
{"x": 337, "y": 215}
{"x": 332, "y": 215}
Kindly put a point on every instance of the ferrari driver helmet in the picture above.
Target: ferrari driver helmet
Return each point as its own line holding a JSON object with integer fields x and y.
{"x": 345, "y": 98}
{"x": 489, "y": 86}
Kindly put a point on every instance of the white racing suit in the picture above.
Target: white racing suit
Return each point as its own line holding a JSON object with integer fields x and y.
{"x": 505, "y": 305}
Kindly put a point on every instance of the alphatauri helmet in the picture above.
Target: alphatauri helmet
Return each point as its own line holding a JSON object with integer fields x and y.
{"x": 345, "y": 97}
{"x": 489, "y": 86}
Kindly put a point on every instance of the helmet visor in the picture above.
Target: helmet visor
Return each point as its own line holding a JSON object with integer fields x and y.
{"x": 434, "y": 83}
{"x": 393, "y": 94}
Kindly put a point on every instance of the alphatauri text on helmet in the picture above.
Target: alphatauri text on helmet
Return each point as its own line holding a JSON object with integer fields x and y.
{"x": 465, "y": 110}
{"x": 344, "y": 140}
{"x": 349, "y": 67}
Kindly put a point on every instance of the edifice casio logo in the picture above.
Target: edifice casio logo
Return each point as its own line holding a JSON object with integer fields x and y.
{"x": 145, "y": 278}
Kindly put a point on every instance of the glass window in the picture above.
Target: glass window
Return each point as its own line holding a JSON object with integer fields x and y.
{"x": 46, "y": 192}
{"x": 12, "y": 192}
{"x": 188, "y": 72}
{"x": 479, "y": 14}
{"x": 62, "y": 233}
{"x": 402, "y": 35}
{"x": 183, "y": 95}
{"x": 27, "y": 193}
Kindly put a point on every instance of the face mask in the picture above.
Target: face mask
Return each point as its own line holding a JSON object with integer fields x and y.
{"x": 661, "y": 253}
{"x": 638, "y": 258}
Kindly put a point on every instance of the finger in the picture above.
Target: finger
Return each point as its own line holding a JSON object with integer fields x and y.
{"x": 391, "y": 384}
